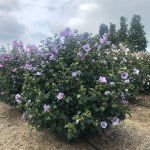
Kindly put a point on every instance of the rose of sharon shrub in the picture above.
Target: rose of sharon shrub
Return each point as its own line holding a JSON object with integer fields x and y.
{"x": 12, "y": 69}
{"x": 74, "y": 83}
{"x": 80, "y": 87}
{"x": 139, "y": 64}
{"x": 11, "y": 76}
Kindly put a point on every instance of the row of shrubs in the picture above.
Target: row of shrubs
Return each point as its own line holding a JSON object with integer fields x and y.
{"x": 75, "y": 84}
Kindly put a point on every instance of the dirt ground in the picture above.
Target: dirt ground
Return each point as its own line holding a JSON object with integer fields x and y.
{"x": 132, "y": 134}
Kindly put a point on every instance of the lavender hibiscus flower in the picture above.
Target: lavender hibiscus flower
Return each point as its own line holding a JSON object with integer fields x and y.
{"x": 1, "y": 65}
{"x": 136, "y": 71}
{"x": 86, "y": 47}
{"x": 115, "y": 121}
{"x": 60, "y": 96}
{"x": 124, "y": 75}
{"x": 103, "y": 124}
{"x": 102, "y": 79}
{"x": 18, "y": 98}
{"x": 46, "y": 108}
{"x": 74, "y": 74}
{"x": 65, "y": 33}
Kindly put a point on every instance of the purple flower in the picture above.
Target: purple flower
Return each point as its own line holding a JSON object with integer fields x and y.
{"x": 82, "y": 36}
{"x": 124, "y": 75}
{"x": 102, "y": 79}
{"x": 106, "y": 93}
{"x": 104, "y": 38}
{"x": 86, "y": 47}
{"x": 14, "y": 70}
{"x": 102, "y": 41}
{"x": 30, "y": 48}
{"x": 1, "y": 65}
{"x": 33, "y": 69}
{"x": 60, "y": 96}
{"x": 28, "y": 67}
{"x": 127, "y": 81}
{"x": 136, "y": 71}
{"x": 18, "y": 98}
{"x": 65, "y": 33}
{"x": 18, "y": 101}
{"x": 104, "y": 124}
{"x": 115, "y": 121}
{"x": 46, "y": 108}
{"x": 54, "y": 50}
{"x": 74, "y": 74}
{"x": 42, "y": 62}
{"x": 17, "y": 45}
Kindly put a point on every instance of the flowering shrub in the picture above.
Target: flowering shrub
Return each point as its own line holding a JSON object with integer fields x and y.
{"x": 12, "y": 69}
{"x": 143, "y": 60}
{"x": 75, "y": 84}
{"x": 78, "y": 89}
{"x": 11, "y": 74}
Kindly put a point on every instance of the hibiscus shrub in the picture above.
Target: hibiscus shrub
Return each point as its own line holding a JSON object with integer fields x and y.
{"x": 12, "y": 69}
{"x": 11, "y": 74}
{"x": 144, "y": 64}
{"x": 78, "y": 88}
{"x": 74, "y": 84}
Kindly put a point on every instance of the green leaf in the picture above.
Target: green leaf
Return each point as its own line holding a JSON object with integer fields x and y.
{"x": 102, "y": 109}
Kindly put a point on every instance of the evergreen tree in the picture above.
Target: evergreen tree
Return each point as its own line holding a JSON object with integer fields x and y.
{"x": 112, "y": 33}
{"x": 137, "y": 37}
{"x": 103, "y": 29}
{"x": 123, "y": 31}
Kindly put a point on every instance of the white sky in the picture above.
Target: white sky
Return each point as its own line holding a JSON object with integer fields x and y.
{"x": 33, "y": 20}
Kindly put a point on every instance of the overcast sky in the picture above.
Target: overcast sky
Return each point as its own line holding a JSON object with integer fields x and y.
{"x": 33, "y": 20}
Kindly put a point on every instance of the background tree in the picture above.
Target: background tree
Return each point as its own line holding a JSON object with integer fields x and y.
{"x": 137, "y": 37}
{"x": 103, "y": 29}
{"x": 123, "y": 31}
{"x": 112, "y": 33}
